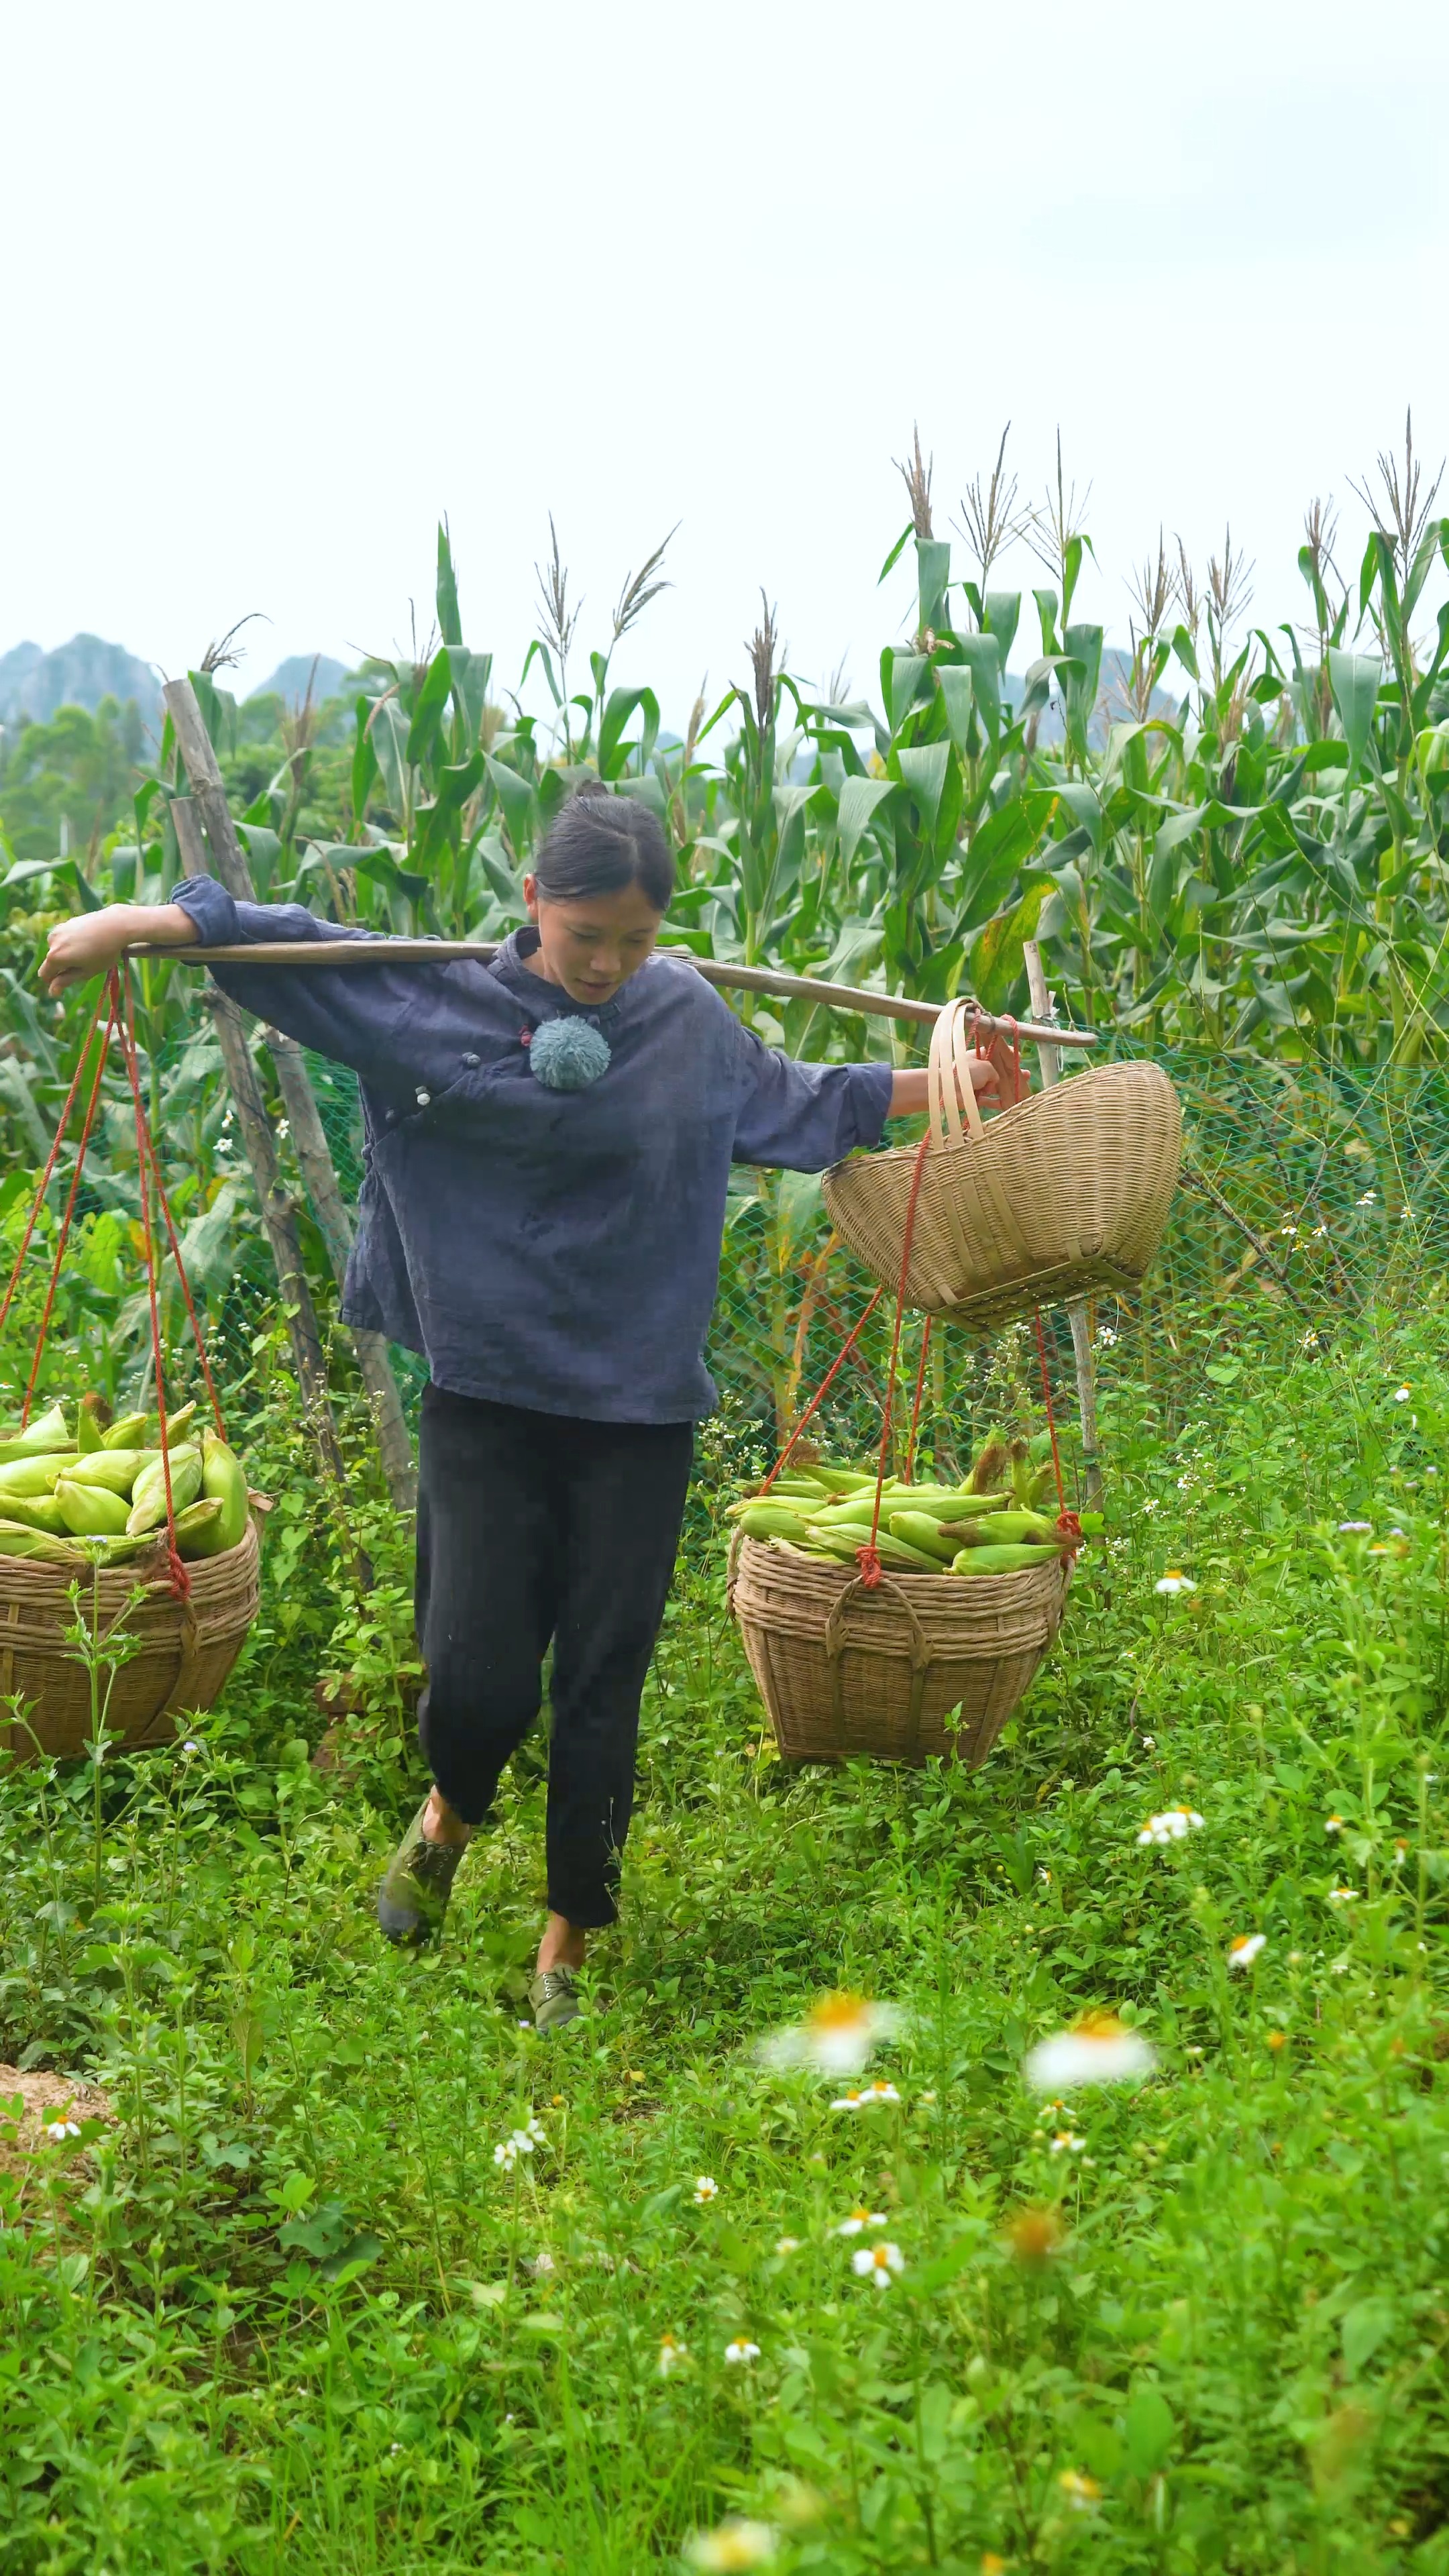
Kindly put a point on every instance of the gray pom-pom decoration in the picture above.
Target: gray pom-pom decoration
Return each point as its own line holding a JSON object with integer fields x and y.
{"x": 568, "y": 1054}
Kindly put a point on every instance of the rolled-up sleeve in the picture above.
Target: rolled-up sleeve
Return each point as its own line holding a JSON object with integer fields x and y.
{"x": 351, "y": 1017}
{"x": 802, "y": 1117}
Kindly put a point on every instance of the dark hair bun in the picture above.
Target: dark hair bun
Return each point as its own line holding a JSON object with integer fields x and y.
{"x": 598, "y": 843}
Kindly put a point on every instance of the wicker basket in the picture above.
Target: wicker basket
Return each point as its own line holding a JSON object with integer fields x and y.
{"x": 925, "y": 1664}
{"x": 1064, "y": 1193}
{"x": 187, "y": 1648}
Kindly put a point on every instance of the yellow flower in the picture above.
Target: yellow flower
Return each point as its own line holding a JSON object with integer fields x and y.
{"x": 735, "y": 2544}
{"x": 836, "y": 2036}
{"x": 1082, "y": 2493}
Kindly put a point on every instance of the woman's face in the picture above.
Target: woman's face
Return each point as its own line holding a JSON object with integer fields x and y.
{"x": 593, "y": 946}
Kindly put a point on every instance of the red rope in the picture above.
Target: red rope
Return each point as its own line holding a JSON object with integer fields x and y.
{"x": 920, "y": 1390}
{"x": 64, "y": 1235}
{"x": 1067, "y": 1522}
{"x": 841, "y": 1356}
{"x": 180, "y": 1578}
{"x": 38, "y": 1202}
{"x": 867, "y": 1557}
{"x": 185, "y": 1286}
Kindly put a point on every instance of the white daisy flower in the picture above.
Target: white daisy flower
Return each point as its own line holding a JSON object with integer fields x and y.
{"x": 506, "y": 2155}
{"x": 787, "y": 2245}
{"x": 1367, "y": 1200}
{"x": 671, "y": 2352}
{"x": 1098, "y": 2049}
{"x": 1342, "y": 1895}
{"x": 1173, "y": 1825}
{"x": 878, "y": 2263}
{"x": 1172, "y": 1582}
{"x": 59, "y": 2130}
{"x": 741, "y": 2350}
{"x": 735, "y": 2544}
{"x": 858, "y": 2221}
{"x": 1065, "y": 2143}
{"x": 706, "y": 2189}
{"x": 1333, "y": 1825}
{"x": 1401, "y": 1395}
{"x": 1243, "y": 1951}
{"x": 836, "y": 2036}
{"x": 862, "y": 2097}
{"x": 1082, "y": 2493}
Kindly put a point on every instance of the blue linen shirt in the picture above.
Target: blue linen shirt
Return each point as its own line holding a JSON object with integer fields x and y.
{"x": 557, "y": 1250}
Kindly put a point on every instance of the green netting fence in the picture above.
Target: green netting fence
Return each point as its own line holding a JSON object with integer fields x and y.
{"x": 1311, "y": 1194}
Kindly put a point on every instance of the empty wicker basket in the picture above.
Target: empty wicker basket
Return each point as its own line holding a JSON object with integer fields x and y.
{"x": 924, "y": 1664}
{"x": 185, "y": 1651}
{"x": 1064, "y": 1193}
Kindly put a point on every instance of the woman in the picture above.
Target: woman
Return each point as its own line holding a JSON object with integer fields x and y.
{"x": 548, "y": 1149}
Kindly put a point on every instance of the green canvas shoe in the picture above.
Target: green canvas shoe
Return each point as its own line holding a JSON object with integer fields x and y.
{"x": 554, "y": 1995}
{"x": 413, "y": 1898}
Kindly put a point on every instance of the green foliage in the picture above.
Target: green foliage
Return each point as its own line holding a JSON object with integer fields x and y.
{"x": 67, "y": 783}
{"x": 288, "y": 2310}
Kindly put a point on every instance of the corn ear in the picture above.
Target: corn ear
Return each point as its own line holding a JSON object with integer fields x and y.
{"x": 773, "y": 1520}
{"x": 199, "y": 1528}
{"x": 148, "y": 1494}
{"x": 115, "y": 1469}
{"x": 1003, "y": 1560}
{"x": 44, "y": 1438}
{"x": 223, "y": 1480}
{"x": 918, "y": 1530}
{"x": 32, "y": 1475}
{"x": 40, "y": 1512}
{"x": 1024, "y": 1528}
{"x": 126, "y": 1433}
{"x": 989, "y": 1471}
{"x": 36, "y": 1544}
{"x": 89, "y": 1511}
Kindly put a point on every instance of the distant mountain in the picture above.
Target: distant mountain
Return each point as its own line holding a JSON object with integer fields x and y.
{"x": 77, "y": 674}
{"x": 290, "y": 678}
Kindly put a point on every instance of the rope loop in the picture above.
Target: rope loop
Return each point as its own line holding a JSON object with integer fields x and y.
{"x": 119, "y": 1024}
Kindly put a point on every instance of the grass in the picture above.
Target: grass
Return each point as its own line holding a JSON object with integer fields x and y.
{"x": 289, "y": 2311}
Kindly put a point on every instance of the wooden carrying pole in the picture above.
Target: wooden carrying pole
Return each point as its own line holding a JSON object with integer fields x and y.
{"x": 208, "y": 807}
{"x": 1041, "y": 1003}
{"x": 741, "y": 979}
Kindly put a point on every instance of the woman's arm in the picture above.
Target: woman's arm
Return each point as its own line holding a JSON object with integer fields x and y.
{"x": 997, "y": 1078}
{"x": 376, "y": 1023}
{"x": 91, "y": 944}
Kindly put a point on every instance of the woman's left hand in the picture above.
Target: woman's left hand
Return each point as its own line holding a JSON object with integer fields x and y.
{"x": 996, "y": 1078}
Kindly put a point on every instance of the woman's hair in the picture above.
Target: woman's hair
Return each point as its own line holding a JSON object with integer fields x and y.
{"x": 598, "y": 844}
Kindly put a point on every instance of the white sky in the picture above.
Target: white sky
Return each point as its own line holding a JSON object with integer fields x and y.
{"x": 285, "y": 282}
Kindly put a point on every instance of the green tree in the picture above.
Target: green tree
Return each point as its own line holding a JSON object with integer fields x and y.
{"x": 64, "y": 785}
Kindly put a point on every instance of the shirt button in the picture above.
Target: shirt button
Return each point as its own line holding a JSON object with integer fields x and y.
{"x": 472, "y": 1062}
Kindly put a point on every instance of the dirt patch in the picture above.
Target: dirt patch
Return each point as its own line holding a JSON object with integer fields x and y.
{"x": 46, "y": 2096}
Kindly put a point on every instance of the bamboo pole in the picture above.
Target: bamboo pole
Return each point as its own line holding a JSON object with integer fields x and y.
{"x": 744, "y": 979}
{"x": 1047, "y": 1057}
{"x": 278, "y": 1214}
{"x": 229, "y": 864}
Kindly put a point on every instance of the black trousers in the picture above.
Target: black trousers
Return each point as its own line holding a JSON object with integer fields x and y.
{"x": 535, "y": 1527}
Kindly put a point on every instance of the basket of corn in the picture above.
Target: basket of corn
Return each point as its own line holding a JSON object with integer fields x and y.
{"x": 1059, "y": 1195}
{"x": 933, "y": 1657}
{"x": 83, "y": 1504}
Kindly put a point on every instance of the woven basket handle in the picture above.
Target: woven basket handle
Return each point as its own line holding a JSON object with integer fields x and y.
{"x": 835, "y": 1624}
{"x": 948, "y": 1080}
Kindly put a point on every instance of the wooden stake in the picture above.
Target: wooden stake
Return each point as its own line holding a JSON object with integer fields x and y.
{"x": 229, "y": 865}
{"x": 1047, "y": 1057}
{"x": 278, "y": 1214}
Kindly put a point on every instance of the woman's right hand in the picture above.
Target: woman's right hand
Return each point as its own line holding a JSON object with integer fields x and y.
{"x": 91, "y": 942}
